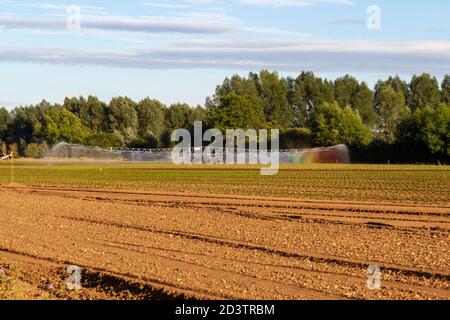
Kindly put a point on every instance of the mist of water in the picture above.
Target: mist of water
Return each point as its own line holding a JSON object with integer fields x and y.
{"x": 66, "y": 151}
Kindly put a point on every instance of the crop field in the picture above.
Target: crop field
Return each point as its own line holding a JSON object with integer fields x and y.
{"x": 150, "y": 231}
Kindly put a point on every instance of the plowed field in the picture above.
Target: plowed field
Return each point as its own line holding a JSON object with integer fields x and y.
{"x": 175, "y": 234}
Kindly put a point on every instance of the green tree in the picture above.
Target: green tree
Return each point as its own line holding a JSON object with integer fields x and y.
{"x": 93, "y": 114}
{"x": 399, "y": 86}
{"x": 363, "y": 103}
{"x": 308, "y": 92}
{"x": 165, "y": 138}
{"x": 22, "y": 124}
{"x": 122, "y": 118}
{"x": 4, "y": 122}
{"x": 22, "y": 145}
{"x": 424, "y": 91}
{"x": 428, "y": 127}
{"x": 391, "y": 107}
{"x": 36, "y": 151}
{"x": 273, "y": 92}
{"x": 148, "y": 142}
{"x": 349, "y": 92}
{"x": 296, "y": 138}
{"x": 345, "y": 89}
{"x": 75, "y": 105}
{"x": 238, "y": 85}
{"x": 197, "y": 114}
{"x": 104, "y": 140}
{"x": 220, "y": 106}
{"x": 61, "y": 125}
{"x": 25, "y": 119}
{"x": 445, "y": 89}
{"x": 332, "y": 125}
{"x": 3, "y": 149}
{"x": 151, "y": 116}
{"x": 13, "y": 149}
{"x": 235, "y": 112}
{"x": 177, "y": 116}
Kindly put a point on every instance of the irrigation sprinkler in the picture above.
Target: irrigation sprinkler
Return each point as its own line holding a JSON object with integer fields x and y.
{"x": 336, "y": 154}
{"x": 10, "y": 157}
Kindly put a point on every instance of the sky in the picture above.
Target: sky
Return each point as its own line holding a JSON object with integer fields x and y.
{"x": 179, "y": 51}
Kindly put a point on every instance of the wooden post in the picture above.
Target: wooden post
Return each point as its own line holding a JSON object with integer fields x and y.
{"x": 12, "y": 167}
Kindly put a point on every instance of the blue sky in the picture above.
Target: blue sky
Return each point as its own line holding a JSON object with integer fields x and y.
{"x": 178, "y": 51}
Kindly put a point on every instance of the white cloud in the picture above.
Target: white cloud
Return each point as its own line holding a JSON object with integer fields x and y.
{"x": 282, "y": 55}
{"x": 86, "y": 9}
{"x": 124, "y": 24}
{"x": 294, "y": 3}
{"x": 165, "y": 5}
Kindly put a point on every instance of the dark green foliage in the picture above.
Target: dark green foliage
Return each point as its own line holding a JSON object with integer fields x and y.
{"x": 332, "y": 125}
{"x": 273, "y": 92}
{"x": 424, "y": 91}
{"x": 74, "y": 104}
{"x": 345, "y": 89}
{"x": 36, "y": 151}
{"x": 235, "y": 112}
{"x": 396, "y": 83}
{"x": 151, "y": 116}
{"x": 61, "y": 125}
{"x": 358, "y": 96}
{"x": 308, "y": 92}
{"x": 148, "y": 142}
{"x": 4, "y": 121}
{"x": 236, "y": 104}
{"x": 197, "y": 114}
{"x": 390, "y": 106}
{"x": 165, "y": 139}
{"x": 429, "y": 128}
{"x": 397, "y": 122}
{"x": 177, "y": 116}
{"x": 25, "y": 119}
{"x": 363, "y": 103}
{"x": 445, "y": 89}
{"x": 299, "y": 138}
{"x": 122, "y": 118}
{"x": 104, "y": 140}
{"x": 93, "y": 114}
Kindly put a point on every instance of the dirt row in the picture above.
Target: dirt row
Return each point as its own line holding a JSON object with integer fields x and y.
{"x": 150, "y": 245}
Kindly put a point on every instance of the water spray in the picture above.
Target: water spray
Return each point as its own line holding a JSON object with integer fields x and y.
{"x": 337, "y": 154}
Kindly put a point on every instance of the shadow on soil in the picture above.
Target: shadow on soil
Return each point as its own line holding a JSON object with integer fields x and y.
{"x": 125, "y": 289}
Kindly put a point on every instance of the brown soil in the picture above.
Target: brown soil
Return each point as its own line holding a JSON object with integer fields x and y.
{"x": 138, "y": 245}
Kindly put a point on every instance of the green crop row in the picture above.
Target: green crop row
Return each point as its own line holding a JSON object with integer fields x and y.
{"x": 398, "y": 184}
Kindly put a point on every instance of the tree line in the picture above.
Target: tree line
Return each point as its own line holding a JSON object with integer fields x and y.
{"x": 397, "y": 121}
